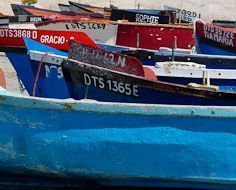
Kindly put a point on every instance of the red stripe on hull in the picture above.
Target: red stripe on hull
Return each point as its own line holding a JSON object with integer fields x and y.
{"x": 154, "y": 37}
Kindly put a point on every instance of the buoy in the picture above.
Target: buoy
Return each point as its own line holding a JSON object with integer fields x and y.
{"x": 149, "y": 73}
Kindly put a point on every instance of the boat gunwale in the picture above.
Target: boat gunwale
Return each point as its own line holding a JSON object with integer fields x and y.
{"x": 93, "y": 106}
{"x": 104, "y": 21}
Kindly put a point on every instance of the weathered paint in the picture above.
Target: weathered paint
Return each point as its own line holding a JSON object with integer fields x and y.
{"x": 154, "y": 36}
{"x": 22, "y": 64}
{"x": 109, "y": 85}
{"x": 100, "y": 31}
{"x": 216, "y": 40}
{"x": 151, "y": 36}
{"x": 187, "y": 145}
{"x": 108, "y": 59}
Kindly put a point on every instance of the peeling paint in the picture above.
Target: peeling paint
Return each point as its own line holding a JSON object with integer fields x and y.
{"x": 68, "y": 106}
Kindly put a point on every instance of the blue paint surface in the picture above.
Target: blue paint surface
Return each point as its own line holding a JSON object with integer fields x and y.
{"x": 54, "y": 87}
{"x": 146, "y": 95}
{"x": 207, "y": 48}
{"x": 212, "y": 61}
{"x": 21, "y": 63}
{"x": 37, "y": 46}
{"x": 119, "y": 143}
{"x": 26, "y": 70}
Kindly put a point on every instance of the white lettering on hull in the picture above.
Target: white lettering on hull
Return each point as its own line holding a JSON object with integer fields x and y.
{"x": 140, "y": 18}
{"x": 111, "y": 85}
{"x": 224, "y": 37}
{"x": 52, "y": 39}
{"x": 14, "y": 33}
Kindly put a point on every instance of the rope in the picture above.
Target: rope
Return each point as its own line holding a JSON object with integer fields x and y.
{"x": 86, "y": 92}
{"x": 39, "y": 69}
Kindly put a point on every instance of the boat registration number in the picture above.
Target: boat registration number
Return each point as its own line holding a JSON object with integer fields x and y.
{"x": 111, "y": 85}
{"x": 15, "y": 33}
{"x": 84, "y": 25}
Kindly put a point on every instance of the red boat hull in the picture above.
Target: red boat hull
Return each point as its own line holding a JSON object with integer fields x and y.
{"x": 13, "y": 38}
{"x": 216, "y": 35}
{"x": 125, "y": 34}
{"x": 155, "y": 36}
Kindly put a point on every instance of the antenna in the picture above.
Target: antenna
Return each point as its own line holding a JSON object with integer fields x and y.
{"x": 137, "y": 4}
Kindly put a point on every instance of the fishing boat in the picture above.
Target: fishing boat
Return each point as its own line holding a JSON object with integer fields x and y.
{"x": 18, "y": 10}
{"x": 100, "y": 31}
{"x": 215, "y": 40}
{"x": 12, "y": 43}
{"x": 41, "y": 73}
{"x": 11, "y": 39}
{"x": 47, "y": 79}
{"x": 105, "y": 83}
{"x": 151, "y": 36}
{"x": 126, "y": 14}
{"x": 51, "y": 14}
{"x": 180, "y": 146}
{"x": 137, "y": 35}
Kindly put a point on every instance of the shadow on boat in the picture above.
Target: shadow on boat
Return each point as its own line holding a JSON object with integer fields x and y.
{"x": 43, "y": 183}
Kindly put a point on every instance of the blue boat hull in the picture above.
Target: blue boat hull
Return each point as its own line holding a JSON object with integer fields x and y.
{"x": 147, "y": 96}
{"x": 21, "y": 63}
{"x": 118, "y": 144}
{"x": 54, "y": 87}
{"x": 26, "y": 70}
{"x": 204, "y": 47}
{"x": 212, "y": 61}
